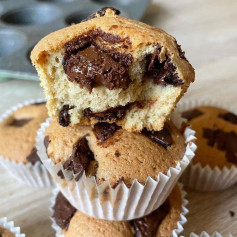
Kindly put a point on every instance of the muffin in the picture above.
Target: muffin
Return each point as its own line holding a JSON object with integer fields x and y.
{"x": 112, "y": 69}
{"x": 109, "y": 173}
{"x": 216, "y": 132}
{"x": 113, "y": 154}
{"x": 161, "y": 222}
{"x": 18, "y": 132}
{"x": 18, "y": 154}
{"x": 215, "y": 164}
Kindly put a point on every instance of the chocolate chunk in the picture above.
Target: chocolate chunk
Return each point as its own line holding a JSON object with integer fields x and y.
{"x": 39, "y": 103}
{"x": 147, "y": 226}
{"x": 19, "y": 122}
{"x": 46, "y": 141}
{"x": 117, "y": 153}
{"x": 63, "y": 211}
{"x": 85, "y": 63}
{"x": 118, "y": 182}
{"x": 101, "y": 12}
{"x": 92, "y": 67}
{"x": 225, "y": 141}
{"x": 163, "y": 137}
{"x": 112, "y": 114}
{"x": 191, "y": 114}
{"x": 60, "y": 174}
{"x": 181, "y": 52}
{"x": 232, "y": 214}
{"x": 64, "y": 116}
{"x": 33, "y": 156}
{"x": 229, "y": 117}
{"x": 80, "y": 157}
{"x": 163, "y": 73}
{"x": 104, "y": 131}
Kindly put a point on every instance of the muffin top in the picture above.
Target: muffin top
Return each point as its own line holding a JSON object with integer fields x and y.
{"x": 5, "y": 233}
{"x": 18, "y": 132}
{"x": 216, "y": 132}
{"x": 111, "y": 153}
{"x": 159, "y": 223}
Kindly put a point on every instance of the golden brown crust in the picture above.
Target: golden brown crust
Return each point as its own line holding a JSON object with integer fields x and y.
{"x": 138, "y": 33}
{"x": 82, "y": 225}
{"x": 205, "y": 154}
{"x": 16, "y": 143}
{"x": 5, "y": 233}
{"x": 116, "y": 155}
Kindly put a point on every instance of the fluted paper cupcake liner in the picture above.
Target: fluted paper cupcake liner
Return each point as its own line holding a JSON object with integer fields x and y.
{"x": 207, "y": 179}
{"x": 120, "y": 203}
{"x": 205, "y": 234}
{"x": 9, "y": 225}
{"x": 27, "y": 174}
{"x": 175, "y": 233}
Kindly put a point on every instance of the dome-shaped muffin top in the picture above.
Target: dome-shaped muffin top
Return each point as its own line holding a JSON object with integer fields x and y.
{"x": 112, "y": 69}
{"x": 18, "y": 132}
{"x": 111, "y": 153}
{"x": 160, "y": 223}
{"x": 216, "y": 132}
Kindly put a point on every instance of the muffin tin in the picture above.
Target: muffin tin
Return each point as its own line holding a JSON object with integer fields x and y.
{"x": 23, "y": 23}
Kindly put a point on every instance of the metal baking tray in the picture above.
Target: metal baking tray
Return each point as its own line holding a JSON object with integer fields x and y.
{"x": 24, "y": 22}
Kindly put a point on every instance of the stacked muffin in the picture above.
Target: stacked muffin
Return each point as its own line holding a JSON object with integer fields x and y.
{"x": 111, "y": 84}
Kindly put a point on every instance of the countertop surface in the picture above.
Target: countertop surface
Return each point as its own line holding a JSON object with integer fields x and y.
{"x": 207, "y": 31}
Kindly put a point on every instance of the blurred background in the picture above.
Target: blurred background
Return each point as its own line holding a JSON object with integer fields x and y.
{"x": 207, "y": 32}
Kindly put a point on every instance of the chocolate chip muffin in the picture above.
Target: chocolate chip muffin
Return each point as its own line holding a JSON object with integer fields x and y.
{"x": 111, "y": 153}
{"x": 5, "y": 233}
{"x": 216, "y": 132}
{"x": 112, "y": 69}
{"x": 18, "y": 132}
{"x": 159, "y": 223}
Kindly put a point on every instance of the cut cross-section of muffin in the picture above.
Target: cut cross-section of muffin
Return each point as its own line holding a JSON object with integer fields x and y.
{"x": 112, "y": 69}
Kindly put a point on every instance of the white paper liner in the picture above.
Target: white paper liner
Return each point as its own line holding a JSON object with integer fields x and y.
{"x": 27, "y": 174}
{"x": 205, "y": 234}
{"x": 206, "y": 179}
{"x": 175, "y": 232}
{"x": 9, "y": 225}
{"x": 122, "y": 203}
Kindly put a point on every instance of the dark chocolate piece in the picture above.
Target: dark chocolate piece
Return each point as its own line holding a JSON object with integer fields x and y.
{"x": 39, "y": 103}
{"x": 60, "y": 174}
{"x": 46, "y": 142}
{"x": 118, "y": 182}
{"x": 63, "y": 211}
{"x": 112, "y": 114}
{"x": 19, "y": 122}
{"x": 101, "y": 12}
{"x": 181, "y": 52}
{"x": 147, "y": 226}
{"x": 64, "y": 116}
{"x": 225, "y": 141}
{"x": 163, "y": 73}
{"x": 117, "y": 153}
{"x": 229, "y": 117}
{"x": 85, "y": 63}
{"x": 104, "y": 131}
{"x": 92, "y": 67}
{"x": 162, "y": 137}
{"x": 80, "y": 157}
{"x": 33, "y": 156}
{"x": 191, "y": 114}
{"x": 232, "y": 214}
